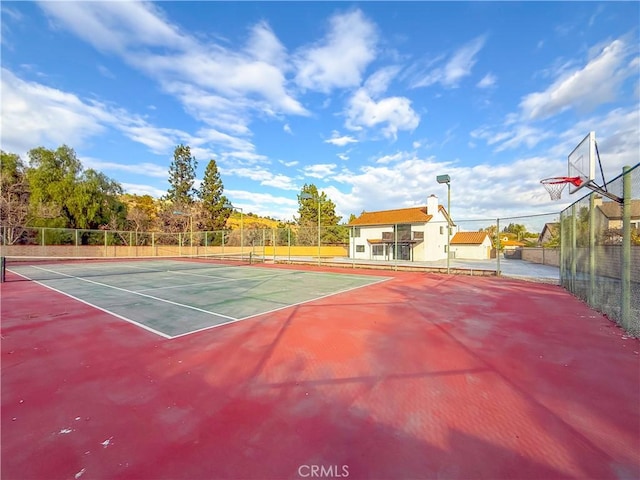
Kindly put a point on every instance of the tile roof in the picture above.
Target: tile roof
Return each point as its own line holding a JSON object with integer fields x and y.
{"x": 390, "y": 217}
{"x": 475, "y": 238}
{"x": 613, "y": 210}
{"x": 511, "y": 243}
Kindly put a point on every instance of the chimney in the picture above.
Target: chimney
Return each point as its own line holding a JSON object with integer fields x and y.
{"x": 432, "y": 205}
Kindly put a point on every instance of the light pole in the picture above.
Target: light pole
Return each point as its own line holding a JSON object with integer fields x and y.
{"x": 446, "y": 179}
{"x": 308, "y": 196}
{"x": 178, "y": 212}
{"x": 228, "y": 205}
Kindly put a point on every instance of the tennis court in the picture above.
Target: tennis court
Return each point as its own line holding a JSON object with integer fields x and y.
{"x": 333, "y": 371}
{"x": 193, "y": 294}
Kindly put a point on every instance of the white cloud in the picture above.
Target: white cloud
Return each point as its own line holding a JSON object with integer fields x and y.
{"x": 105, "y": 72}
{"x": 379, "y": 82}
{"x": 409, "y": 180}
{"x": 117, "y": 26}
{"x": 339, "y": 60}
{"x": 14, "y": 14}
{"x": 576, "y": 87}
{"x": 489, "y": 80}
{"x": 583, "y": 89}
{"x": 246, "y": 157}
{"x": 395, "y": 157}
{"x": 390, "y": 114}
{"x": 455, "y": 69}
{"x": 263, "y": 45}
{"x": 320, "y": 170}
{"x": 158, "y": 140}
{"x": 262, "y": 176}
{"x": 34, "y": 114}
{"x": 287, "y": 129}
{"x": 340, "y": 140}
{"x": 293, "y": 163}
{"x": 146, "y": 168}
{"x": 517, "y": 136}
{"x": 263, "y": 204}
{"x": 216, "y": 84}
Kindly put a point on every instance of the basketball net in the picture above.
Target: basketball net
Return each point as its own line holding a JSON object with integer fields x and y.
{"x": 555, "y": 185}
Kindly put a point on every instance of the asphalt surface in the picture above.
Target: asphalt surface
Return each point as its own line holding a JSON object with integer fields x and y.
{"x": 520, "y": 269}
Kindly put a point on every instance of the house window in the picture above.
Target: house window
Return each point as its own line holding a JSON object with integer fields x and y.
{"x": 441, "y": 230}
{"x": 418, "y": 235}
{"x": 355, "y": 232}
{"x": 403, "y": 232}
{"x": 377, "y": 250}
{"x": 445, "y": 249}
{"x": 360, "y": 248}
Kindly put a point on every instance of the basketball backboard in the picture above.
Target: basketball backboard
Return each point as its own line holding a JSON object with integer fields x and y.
{"x": 582, "y": 162}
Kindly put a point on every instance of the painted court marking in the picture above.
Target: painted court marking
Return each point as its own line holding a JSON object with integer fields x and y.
{"x": 121, "y": 317}
{"x": 220, "y": 315}
{"x": 286, "y": 306}
{"x": 223, "y": 280}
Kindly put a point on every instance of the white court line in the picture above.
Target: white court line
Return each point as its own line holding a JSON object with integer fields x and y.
{"x": 140, "y": 294}
{"x": 138, "y": 324}
{"x": 230, "y": 319}
{"x": 385, "y": 279}
{"x": 224, "y": 280}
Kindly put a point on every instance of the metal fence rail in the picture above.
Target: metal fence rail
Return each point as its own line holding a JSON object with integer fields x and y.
{"x": 600, "y": 250}
{"x": 591, "y": 248}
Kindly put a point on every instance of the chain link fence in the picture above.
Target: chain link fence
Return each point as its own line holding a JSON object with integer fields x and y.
{"x": 584, "y": 248}
{"x": 600, "y": 245}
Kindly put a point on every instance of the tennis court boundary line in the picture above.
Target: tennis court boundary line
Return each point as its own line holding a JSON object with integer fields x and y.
{"x": 128, "y": 320}
{"x": 209, "y": 327}
{"x": 140, "y": 294}
{"x": 284, "y": 307}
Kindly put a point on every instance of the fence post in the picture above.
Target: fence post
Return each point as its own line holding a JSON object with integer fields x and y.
{"x": 592, "y": 249}
{"x": 625, "y": 309}
{"x": 395, "y": 247}
{"x": 574, "y": 247}
{"x": 498, "y": 247}
{"x": 264, "y": 243}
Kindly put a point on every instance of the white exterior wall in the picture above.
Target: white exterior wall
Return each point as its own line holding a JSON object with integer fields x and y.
{"x": 473, "y": 252}
{"x": 366, "y": 233}
{"x": 430, "y": 249}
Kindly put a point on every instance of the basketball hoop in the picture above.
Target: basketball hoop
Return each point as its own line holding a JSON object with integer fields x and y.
{"x": 555, "y": 185}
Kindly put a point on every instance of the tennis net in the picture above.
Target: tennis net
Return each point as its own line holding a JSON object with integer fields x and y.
{"x": 15, "y": 268}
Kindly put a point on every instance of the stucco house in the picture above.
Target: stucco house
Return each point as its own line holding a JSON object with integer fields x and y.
{"x": 471, "y": 246}
{"x": 609, "y": 220}
{"x": 420, "y": 233}
{"x": 612, "y": 212}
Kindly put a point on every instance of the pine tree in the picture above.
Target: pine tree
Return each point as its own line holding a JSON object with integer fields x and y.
{"x": 310, "y": 204}
{"x": 182, "y": 173}
{"x": 215, "y": 213}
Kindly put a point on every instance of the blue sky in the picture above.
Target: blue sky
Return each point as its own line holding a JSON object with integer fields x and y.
{"x": 369, "y": 101}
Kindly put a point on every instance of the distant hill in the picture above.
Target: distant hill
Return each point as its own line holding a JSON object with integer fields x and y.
{"x": 252, "y": 220}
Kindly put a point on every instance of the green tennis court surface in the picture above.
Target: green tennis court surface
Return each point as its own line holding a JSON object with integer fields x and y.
{"x": 173, "y": 298}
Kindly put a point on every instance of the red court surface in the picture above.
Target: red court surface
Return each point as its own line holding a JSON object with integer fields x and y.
{"x": 422, "y": 376}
